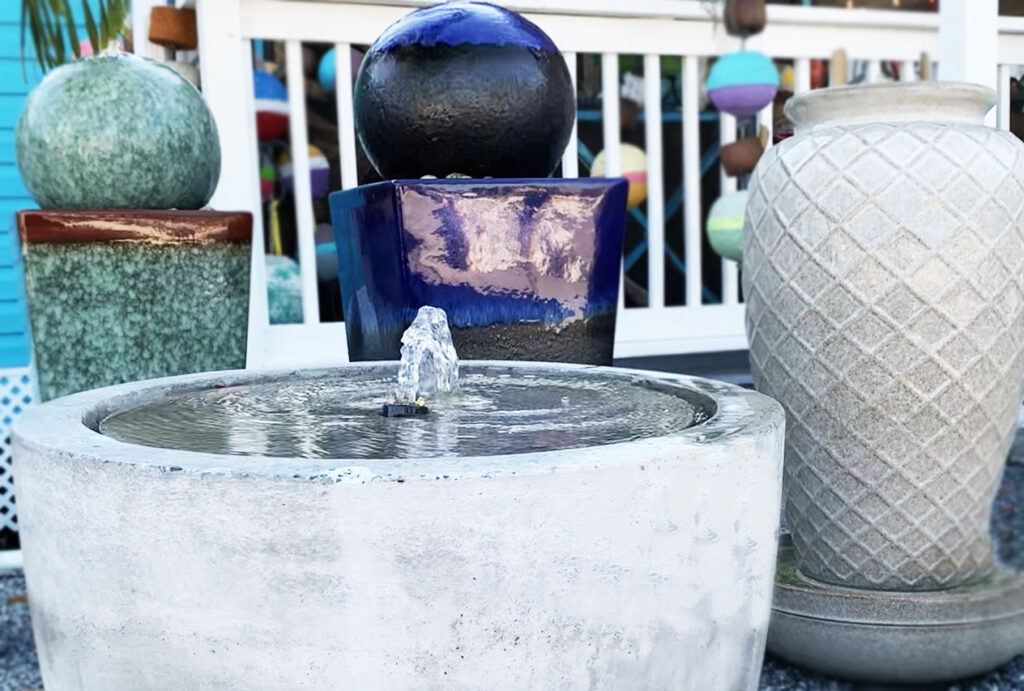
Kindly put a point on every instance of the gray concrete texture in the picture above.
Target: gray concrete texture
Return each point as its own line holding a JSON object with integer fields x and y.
{"x": 884, "y": 275}
{"x": 19, "y": 670}
{"x": 646, "y": 564}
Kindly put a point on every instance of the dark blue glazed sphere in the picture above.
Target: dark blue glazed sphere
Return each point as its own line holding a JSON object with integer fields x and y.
{"x": 464, "y": 87}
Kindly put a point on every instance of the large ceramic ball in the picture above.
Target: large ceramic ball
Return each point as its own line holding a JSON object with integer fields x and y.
{"x": 117, "y": 132}
{"x": 464, "y": 87}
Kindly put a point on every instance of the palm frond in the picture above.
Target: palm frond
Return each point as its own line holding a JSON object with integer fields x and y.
{"x": 53, "y": 26}
{"x": 90, "y": 25}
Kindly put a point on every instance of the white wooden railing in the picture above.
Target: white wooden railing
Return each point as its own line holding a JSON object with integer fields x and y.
{"x": 651, "y": 28}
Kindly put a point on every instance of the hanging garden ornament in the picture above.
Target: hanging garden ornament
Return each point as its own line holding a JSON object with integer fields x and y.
{"x": 284, "y": 290}
{"x": 268, "y": 176}
{"x": 787, "y": 79}
{"x": 725, "y": 225}
{"x": 743, "y": 83}
{"x": 838, "y": 70}
{"x": 819, "y": 74}
{"x": 271, "y": 106}
{"x": 744, "y": 17}
{"x": 319, "y": 172}
{"x": 326, "y": 252}
{"x": 741, "y": 156}
{"x": 634, "y": 168}
{"x": 325, "y": 71}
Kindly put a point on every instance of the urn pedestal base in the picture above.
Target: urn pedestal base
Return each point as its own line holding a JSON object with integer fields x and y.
{"x": 895, "y": 637}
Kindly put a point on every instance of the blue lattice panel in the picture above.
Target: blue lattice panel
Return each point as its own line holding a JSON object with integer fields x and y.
{"x": 17, "y": 391}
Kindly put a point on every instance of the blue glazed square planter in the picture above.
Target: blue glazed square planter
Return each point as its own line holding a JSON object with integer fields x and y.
{"x": 526, "y": 269}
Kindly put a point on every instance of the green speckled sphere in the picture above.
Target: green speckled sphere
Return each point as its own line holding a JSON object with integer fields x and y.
{"x": 117, "y": 132}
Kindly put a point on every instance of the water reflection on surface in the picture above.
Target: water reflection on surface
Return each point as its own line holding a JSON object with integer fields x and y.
{"x": 338, "y": 417}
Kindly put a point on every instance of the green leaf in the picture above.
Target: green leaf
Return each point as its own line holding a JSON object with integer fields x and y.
{"x": 90, "y": 26}
{"x": 31, "y": 18}
{"x": 55, "y": 37}
{"x": 113, "y": 21}
{"x": 51, "y": 26}
{"x": 120, "y": 12}
{"x": 105, "y": 32}
{"x": 24, "y": 24}
{"x": 72, "y": 32}
{"x": 45, "y": 28}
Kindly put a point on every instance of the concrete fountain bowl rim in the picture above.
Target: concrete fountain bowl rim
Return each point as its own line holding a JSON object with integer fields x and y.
{"x": 69, "y": 426}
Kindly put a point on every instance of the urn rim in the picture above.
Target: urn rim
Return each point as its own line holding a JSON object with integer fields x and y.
{"x": 890, "y": 102}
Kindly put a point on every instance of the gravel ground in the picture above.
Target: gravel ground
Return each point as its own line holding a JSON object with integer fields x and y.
{"x": 18, "y": 670}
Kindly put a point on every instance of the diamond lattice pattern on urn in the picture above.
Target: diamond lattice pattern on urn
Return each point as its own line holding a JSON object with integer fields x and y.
{"x": 884, "y": 268}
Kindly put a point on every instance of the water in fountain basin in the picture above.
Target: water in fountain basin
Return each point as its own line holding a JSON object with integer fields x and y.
{"x": 429, "y": 361}
{"x": 487, "y": 412}
{"x": 337, "y": 415}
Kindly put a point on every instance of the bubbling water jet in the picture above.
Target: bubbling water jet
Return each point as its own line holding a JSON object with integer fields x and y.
{"x": 430, "y": 363}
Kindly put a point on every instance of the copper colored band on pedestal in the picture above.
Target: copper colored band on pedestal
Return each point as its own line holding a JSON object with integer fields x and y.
{"x": 150, "y": 226}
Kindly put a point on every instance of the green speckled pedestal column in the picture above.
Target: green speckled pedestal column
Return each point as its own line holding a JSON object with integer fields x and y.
{"x": 123, "y": 296}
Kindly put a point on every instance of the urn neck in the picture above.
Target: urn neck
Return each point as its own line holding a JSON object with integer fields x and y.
{"x": 909, "y": 102}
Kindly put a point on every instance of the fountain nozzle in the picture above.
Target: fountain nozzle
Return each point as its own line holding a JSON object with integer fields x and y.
{"x": 403, "y": 410}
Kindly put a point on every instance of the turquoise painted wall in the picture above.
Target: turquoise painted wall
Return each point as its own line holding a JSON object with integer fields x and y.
{"x": 16, "y": 80}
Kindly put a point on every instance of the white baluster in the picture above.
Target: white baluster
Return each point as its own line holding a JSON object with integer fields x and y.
{"x": 301, "y": 187}
{"x": 691, "y": 180}
{"x": 346, "y": 118}
{"x": 655, "y": 183}
{"x": 571, "y": 158}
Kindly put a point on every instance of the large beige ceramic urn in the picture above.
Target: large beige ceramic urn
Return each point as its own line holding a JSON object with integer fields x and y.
{"x": 884, "y": 274}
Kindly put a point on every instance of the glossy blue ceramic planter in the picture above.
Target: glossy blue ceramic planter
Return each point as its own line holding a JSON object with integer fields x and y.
{"x": 526, "y": 269}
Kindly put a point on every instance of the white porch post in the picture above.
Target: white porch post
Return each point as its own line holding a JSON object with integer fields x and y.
{"x": 968, "y": 42}
{"x": 226, "y": 74}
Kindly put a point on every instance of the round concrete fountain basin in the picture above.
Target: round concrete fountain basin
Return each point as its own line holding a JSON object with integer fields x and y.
{"x": 644, "y": 562}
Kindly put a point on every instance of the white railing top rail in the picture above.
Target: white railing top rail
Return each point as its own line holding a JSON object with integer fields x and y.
{"x": 666, "y": 27}
{"x": 697, "y": 10}
{"x": 690, "y": 10}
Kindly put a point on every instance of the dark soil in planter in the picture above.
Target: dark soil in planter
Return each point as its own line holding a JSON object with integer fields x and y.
{"x": 587, "y": 341}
